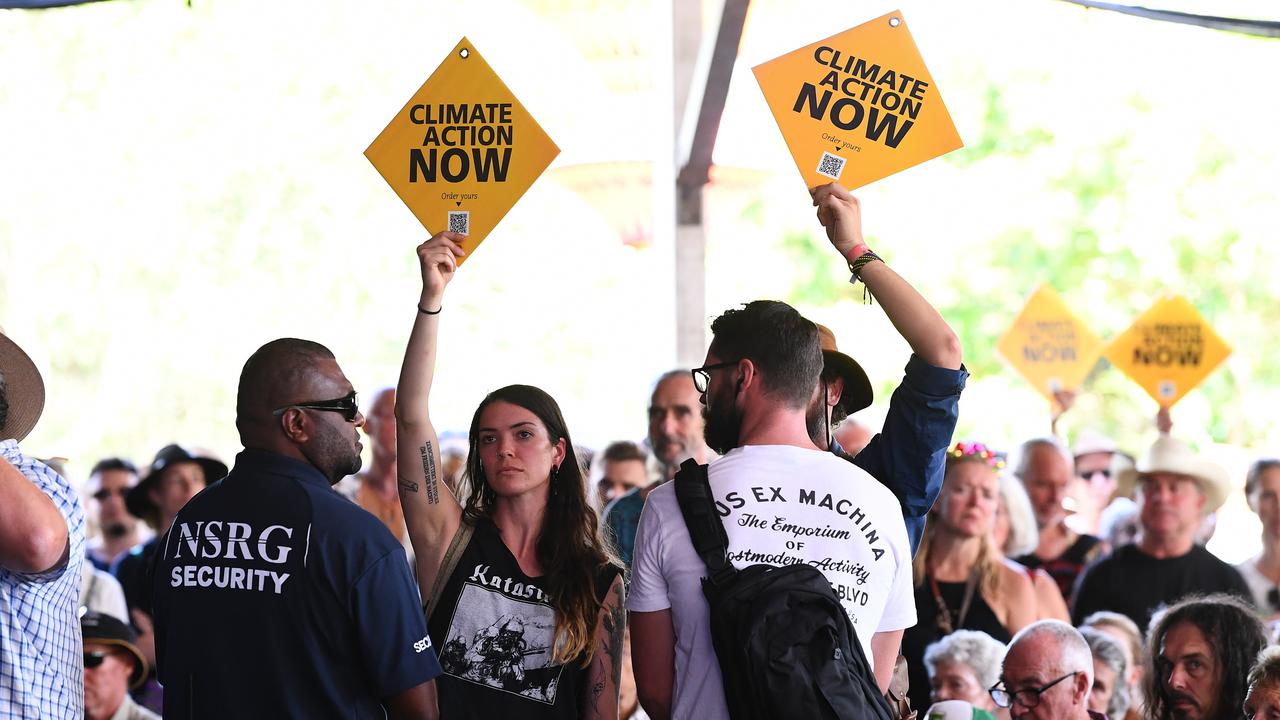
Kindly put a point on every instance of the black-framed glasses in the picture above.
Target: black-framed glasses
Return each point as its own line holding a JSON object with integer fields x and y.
{"x": 702, "y": 375}
{"x": 1027, "y": 697}
{"x": 347, "y": 405}
{"x": 94, "y": 659}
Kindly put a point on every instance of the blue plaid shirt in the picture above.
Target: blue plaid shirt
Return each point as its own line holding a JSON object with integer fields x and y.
{"x": 41, "y": 662}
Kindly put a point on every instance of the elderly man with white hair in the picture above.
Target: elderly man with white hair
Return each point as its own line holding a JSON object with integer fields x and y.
{"x": 1047, "y": 674}
{"x": 1175, "y": 489}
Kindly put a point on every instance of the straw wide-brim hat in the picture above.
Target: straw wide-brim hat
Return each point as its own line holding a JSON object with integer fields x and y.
{"x": 1091, "y": 442}
{"x": 23, "y": 388}
{"x": 857, "y": 387}
{"x": 1167, "y": 455}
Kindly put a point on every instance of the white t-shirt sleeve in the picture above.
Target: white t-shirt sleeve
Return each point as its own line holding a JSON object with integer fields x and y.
{"x": 900, "y": 609}
{"x": 648, "y": 585}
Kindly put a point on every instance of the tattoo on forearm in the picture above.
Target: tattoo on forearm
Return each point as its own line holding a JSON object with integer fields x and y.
{"x": 406, "y": 484}
{"x": 429, "y": 472}
{"x": 615, "y": 623}
{"x": 597, "y": 689}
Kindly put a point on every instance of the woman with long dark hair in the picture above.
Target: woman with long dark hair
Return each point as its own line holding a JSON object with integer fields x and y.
{"x": 524, "y": 602}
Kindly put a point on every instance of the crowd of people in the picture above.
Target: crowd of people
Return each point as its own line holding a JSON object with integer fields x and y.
{"x": 503, "y": 574}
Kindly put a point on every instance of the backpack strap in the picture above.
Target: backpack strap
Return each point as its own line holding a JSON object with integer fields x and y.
{"x": 693, "y": 493}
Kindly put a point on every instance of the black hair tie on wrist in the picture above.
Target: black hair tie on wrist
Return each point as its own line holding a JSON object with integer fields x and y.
{"x": 424, "y": 311}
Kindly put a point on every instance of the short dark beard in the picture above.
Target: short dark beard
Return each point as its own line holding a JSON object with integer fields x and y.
{"x": 115, "y": 531}
{"x": 722, "y": 429}
{"x": 332, "y": 456}
{"x": 815, "y": 421}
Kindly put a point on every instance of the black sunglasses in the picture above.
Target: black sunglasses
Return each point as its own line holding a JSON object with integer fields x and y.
{"x": 94, "y": 659}
{"x": 702, "y": 375}
{"x": 347, "y": 405}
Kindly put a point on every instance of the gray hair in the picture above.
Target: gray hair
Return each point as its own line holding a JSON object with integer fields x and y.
{"x": 1073, "y": 653}
{"x": 1024, "y": 535}
{"x": 1106, "y": 650}
{"x": 1023, "y": 455}
{"x": 975, "y": 649}
{"x": 1266, "y": 670}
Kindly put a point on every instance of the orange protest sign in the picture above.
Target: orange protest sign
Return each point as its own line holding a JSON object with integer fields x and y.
{"x": 1168, "y": 350}
{"x": 858, "y": 106}
{"x": 1049, "y": 345}
{"x": 463, "y": 150}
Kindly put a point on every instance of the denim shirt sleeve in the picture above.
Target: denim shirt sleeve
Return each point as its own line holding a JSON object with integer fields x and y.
{"x": 909, "y": 455}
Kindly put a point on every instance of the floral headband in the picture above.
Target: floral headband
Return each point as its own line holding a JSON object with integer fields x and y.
{"x": 978, "y": 450}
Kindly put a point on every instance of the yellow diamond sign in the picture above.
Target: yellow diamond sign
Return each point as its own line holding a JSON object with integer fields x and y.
{"x": 858, "y": 106}
{"x": 1049, "y": 345}
{"x": 1168, "y": 350}
{"x": 463, "y": 150}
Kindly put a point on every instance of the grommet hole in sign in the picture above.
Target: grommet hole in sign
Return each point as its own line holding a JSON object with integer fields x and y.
{"x": 894, "y": 22}
{"x": 464, "y": 53}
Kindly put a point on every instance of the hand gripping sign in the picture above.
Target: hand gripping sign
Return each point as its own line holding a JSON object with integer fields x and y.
{"x": 1168, "y": 350}
{"x": 463, "y": 150}
{"x": 1049, "y": 345}
{"x": 858, "y": 106}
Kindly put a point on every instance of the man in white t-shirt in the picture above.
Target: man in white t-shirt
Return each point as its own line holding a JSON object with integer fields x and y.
{"x": 782, "y": 501}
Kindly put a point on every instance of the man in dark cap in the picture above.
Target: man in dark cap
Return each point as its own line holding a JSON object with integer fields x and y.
{"x": 41, "y": 550}
{"x": 112, "y": 665}
{"x": 173, "y": 478}
{"x": 274, "y": 595}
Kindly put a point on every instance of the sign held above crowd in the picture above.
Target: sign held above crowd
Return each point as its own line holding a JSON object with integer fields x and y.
{"x": 1049, "y": 345}
{"x": 463, "y": 150}
{"x": 858, "y": 106}
{"x": 1168, "y": 350}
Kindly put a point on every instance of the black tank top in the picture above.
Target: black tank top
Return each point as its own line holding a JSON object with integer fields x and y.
{"x": 916, "y": 639}
{"x": 493, "y": 631}
{"x": 1067, "y": 567}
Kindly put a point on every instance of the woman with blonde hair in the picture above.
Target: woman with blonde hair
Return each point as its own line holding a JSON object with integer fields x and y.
{"x": 961, "y": 578}
{"x": 1014, "y": 532}
{"x": 524, "y": 602}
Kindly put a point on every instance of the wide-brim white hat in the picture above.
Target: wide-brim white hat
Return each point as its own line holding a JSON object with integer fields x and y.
{"x": 1167, "y": 455}
{"x": 23, "y": 388}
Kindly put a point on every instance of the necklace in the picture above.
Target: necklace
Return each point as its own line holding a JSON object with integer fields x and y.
{"x": 944, "y": 612}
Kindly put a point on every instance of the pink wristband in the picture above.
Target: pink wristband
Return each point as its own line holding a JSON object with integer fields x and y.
{"x": 856, "y": 252}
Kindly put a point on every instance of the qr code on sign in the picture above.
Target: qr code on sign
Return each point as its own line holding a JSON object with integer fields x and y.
{"x": 460, "y": 221}
{"x": 831, "y": 165}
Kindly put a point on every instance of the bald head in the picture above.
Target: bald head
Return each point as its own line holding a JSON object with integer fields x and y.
{"x": 281, "y": 372}
{"x": 1051, "y": 660}
{"x": 1046, "y": 470}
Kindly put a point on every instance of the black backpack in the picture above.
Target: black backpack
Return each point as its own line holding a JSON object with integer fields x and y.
{"x": 785, "y": 644}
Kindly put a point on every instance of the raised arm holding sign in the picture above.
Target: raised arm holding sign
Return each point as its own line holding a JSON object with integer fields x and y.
{"x": 522, "y": 599}
{"x": 908, "y": 455}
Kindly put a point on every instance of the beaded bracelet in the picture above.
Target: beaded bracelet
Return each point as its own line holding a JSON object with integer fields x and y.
{"x": 856, "y": 266}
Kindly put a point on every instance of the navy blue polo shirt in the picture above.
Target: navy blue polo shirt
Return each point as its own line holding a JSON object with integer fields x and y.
{"x": 275, "y": 596}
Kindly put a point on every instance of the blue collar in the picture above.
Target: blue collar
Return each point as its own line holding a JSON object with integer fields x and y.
{"x": 252, "y": 461}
